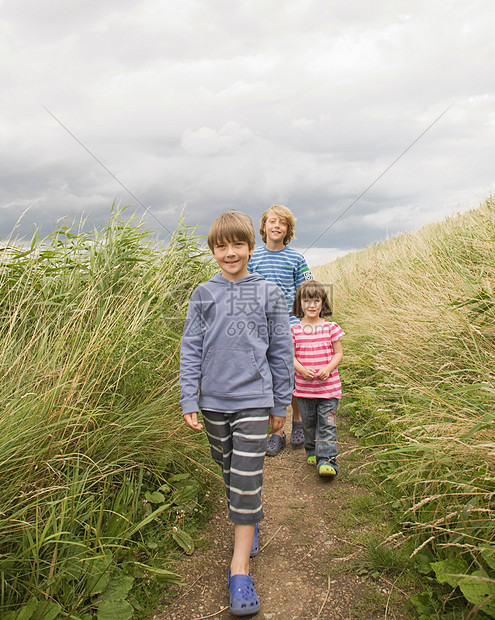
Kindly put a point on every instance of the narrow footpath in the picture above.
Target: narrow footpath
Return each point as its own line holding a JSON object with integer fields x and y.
{"x": 305, "y": 543}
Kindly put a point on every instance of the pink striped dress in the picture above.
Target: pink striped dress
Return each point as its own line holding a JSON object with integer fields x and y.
{"x": 314, "y": 349}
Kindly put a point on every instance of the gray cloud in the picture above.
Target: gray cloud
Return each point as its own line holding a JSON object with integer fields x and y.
{"x": 207, "y": 106}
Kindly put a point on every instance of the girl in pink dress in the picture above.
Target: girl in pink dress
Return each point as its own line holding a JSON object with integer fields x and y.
{"x": 317, "y": 354}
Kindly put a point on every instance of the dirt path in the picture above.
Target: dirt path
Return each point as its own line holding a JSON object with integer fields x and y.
{"x": 303, "y": 540}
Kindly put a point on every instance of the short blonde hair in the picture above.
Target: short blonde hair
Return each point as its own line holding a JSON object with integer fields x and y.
{"x": 284, "y": 214}
{"x": 232, "y": 226}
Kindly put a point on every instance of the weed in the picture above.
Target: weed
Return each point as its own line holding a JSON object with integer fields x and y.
{"x": 372, "y": 601}
{"x": 99, "y": 488}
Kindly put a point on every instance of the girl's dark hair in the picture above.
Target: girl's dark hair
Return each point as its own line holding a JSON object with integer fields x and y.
{"x": 311, "y": 289}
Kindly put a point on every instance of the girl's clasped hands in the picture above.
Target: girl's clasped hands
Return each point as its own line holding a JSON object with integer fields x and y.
{"x": 312, "y": 373}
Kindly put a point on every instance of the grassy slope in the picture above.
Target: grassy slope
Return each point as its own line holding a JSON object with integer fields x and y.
{"x": 419, "y": 370}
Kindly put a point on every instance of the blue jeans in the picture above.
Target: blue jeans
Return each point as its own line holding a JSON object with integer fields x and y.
{"x": 320, "y": 428}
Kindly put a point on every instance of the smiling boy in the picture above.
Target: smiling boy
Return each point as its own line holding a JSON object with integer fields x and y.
{"x": 288, "y": 269}
{"x": 237, "y": 368}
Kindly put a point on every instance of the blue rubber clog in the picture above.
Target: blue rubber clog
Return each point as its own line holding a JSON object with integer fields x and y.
{"x": 243, "y": 600}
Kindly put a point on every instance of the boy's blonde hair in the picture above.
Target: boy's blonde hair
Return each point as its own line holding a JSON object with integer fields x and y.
{"x": 284, "y": 214}
{"x": 311, "y": 289}
{"x": 232, "y": 226}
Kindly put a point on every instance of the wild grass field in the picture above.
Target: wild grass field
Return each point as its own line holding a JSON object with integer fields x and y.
{"x": 419, "y": 374}
{"x": 100, "y": 482}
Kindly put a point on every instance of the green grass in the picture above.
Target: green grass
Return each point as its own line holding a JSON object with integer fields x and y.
{"x": 369, "y": 550}
{"x": 102, "y": 484}
{"x": 418, "y": 373}
{"x": 101, "y": 481}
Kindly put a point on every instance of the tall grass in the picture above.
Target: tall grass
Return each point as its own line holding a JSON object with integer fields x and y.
{"x": 97, "y": 470}
{"x": 419, "y": 312}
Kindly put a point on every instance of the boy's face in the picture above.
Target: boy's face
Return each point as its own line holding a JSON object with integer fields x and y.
{"x": 232, "y": 258}
{"x": 275, "y": 228}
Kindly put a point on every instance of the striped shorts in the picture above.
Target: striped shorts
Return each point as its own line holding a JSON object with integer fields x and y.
{"x": 238, "y": 445}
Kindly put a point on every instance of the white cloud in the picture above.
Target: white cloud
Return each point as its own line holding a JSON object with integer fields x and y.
{"x": 208, "y": 141}
{"x": 321, "y": 256}
{"x": 303, "y": 123}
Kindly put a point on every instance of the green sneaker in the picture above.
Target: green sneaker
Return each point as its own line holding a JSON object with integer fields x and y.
{"x": 325, "y": 469}
{"x": 311, "y": 460}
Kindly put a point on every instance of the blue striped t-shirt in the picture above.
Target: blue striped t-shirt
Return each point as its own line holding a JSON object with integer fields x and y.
{"x": 287, "y": 268}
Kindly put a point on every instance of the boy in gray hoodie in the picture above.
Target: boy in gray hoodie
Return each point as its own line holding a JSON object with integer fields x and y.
{"x": 237, "y": 368}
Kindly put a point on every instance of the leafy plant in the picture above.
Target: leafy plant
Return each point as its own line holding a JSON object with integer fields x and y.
{"x": 96, "y": 468}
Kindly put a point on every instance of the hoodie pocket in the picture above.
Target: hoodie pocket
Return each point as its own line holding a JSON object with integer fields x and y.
{"x": 231, "y": 372}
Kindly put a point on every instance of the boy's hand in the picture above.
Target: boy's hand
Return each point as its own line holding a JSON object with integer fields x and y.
{"x": 191, "y": 419}
{"x": 276, "y": 423}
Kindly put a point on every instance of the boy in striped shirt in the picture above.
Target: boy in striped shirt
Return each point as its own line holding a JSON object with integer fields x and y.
{"x": 288, "y": 269}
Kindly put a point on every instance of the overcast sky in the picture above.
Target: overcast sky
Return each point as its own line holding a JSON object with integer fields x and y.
{"x": 206, "y": 105}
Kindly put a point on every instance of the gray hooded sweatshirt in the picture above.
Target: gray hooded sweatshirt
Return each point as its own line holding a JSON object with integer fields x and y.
{"x": 237, "y": 351}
